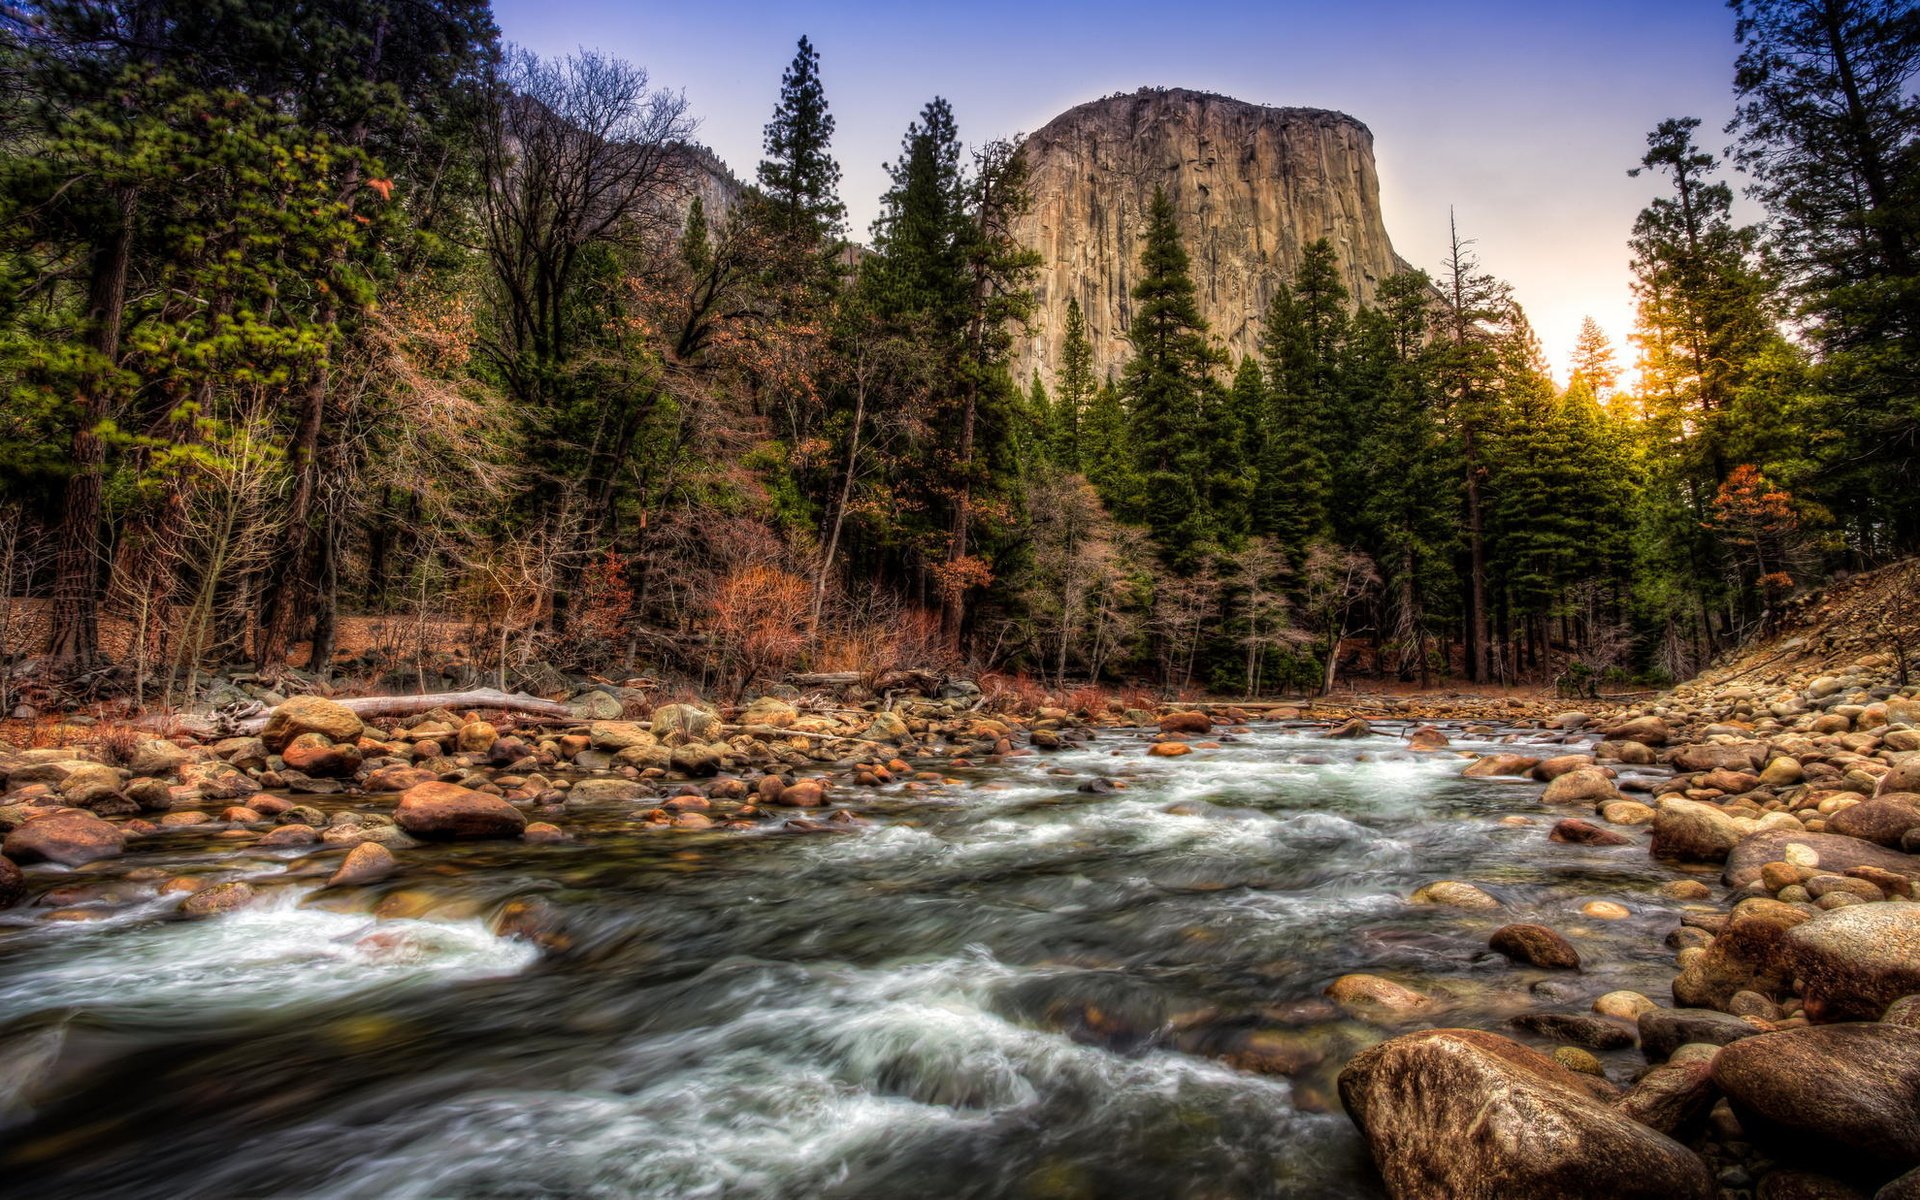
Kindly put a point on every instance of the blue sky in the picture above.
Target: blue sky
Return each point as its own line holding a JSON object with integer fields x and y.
{"x": 1521, "y": 117}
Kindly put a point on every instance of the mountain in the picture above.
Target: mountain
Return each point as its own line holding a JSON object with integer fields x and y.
{"x": 1251, "y": 185}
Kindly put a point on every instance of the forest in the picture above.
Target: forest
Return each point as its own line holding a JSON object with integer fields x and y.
{"x": 350, "y": 314}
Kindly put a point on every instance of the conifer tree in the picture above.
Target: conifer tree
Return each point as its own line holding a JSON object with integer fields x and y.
{"x": 1304, "y": 341}
{"x": 798, "y": 174}
{"x": 1075, "y": 385}
{"x": 1165, "y": 385}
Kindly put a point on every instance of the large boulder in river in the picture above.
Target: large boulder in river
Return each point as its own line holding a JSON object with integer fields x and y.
{"x": 309, "y": 714}
{"x": 68, "y": 837}
{"x": 446, "y": 811}
{"x": 1589, "y": 786}
{"x": 1829, "y": 852}
{"x": 1855, "y": 961}
{"x": 1475, "y": 1116}
{"x": 1500, "y": 764}
{"x": 316, "y": 755}
{"x": 1833, "y": 1092}
{"x": 685, "y": 722}
{"x": 1904, "y": 777}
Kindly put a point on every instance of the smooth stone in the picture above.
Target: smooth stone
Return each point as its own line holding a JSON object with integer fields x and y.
{"x": 1453, "y": 894}
{"x": 442, "y": 811}
{"x": 1535, "y": 945}
{"x": 1856, "y": 961}
{"x": 1664, "y": 1030}
{"x": 1834, "y": 1091}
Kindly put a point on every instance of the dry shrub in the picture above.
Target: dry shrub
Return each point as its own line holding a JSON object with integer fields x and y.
{"x": 1012, "y": 693}
{"x": 1138, "y": 697}
{"x": 759, "y": 620}
{"x": 1090, "y": 701}
{"x": 116, "y": 743}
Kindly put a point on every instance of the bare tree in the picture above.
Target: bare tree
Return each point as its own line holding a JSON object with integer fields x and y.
{"x": 1262, "y": 607}
{"x": 1336, "y": 581}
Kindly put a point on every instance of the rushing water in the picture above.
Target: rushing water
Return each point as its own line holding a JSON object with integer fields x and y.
{"x": 999, "y": 986}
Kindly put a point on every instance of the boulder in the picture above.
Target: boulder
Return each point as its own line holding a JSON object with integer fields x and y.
{"x": 1186, "y": 722}
{"x": 68, "y": 837}
{"x": 395, "y": 778}
{"x": 1907, "y": 1187}
{"x": 887, "y": 727}
{"x": 154, "y": 757}
{"x": 367, "y": 862}
{"x": 313, "y": 754}
{"x": 604, "y": 791}
{"x": 1664, "y": 1030}
{"x": 1594, "y": 1033}
{"x": 1833, "y": 1092}
{"x": 1671, "y": 1097}
{"x": 309, "y": 714}
{"x": 1364, "y": 992}
{"x": 1587, "y": 785}
{"x": 1549, "y": 769}
{"x": 1695, "y": 832}
{"x": 1828, "y": 851}
{"x": 1355, "y": 728}
{"x": 475, "y": 737}
{"x": 1452, "y": 894}
{"x": 1648, "y": 731}
{"x": 1535, "y": 945}
{"x": 1471, "y": 1115}
{"x": 596, "y": 705}
{"x": 1904, "y": 777}
{"x": 1748, "y": 954}
{"x": 619, "y": 735}
{"x": 1883, "y": 820}
{"x": 1718, "y": 756}
{"x": 1500, "y": 764}
{"x": 220, "y": 898}
{"x": 686, "y": 722}
{"x": 13, "y": 884}
{"x": 1857, "y": 960}
{"x": 698, "y": 758}
{"x": 1576, "y": 832}
{"x": 444, "y": 811}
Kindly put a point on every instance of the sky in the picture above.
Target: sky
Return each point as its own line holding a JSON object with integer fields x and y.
{"x": 1520, "y": 118}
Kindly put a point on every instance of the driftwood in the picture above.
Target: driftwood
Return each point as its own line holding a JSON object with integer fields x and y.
{"x": 229, "y": 722}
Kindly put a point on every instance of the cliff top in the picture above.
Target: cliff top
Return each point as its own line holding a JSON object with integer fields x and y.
{"x": 1180, "y": 95}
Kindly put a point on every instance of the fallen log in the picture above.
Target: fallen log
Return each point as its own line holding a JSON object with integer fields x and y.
{"x": 492, "y": 699}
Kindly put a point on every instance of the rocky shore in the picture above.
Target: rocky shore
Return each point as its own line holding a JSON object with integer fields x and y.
{"x": 1784, "y": 1064}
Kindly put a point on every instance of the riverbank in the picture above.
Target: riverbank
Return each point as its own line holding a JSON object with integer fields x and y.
{"x": 344, "y": 814}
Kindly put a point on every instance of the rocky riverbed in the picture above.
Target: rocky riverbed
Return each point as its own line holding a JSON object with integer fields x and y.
{"x": 1665, "y": 951}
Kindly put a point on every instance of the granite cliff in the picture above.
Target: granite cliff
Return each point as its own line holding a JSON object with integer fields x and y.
{"x": 1252, "y": 184}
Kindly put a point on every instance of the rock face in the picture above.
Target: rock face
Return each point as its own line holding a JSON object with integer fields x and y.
{"x": 1460, "y": 1113}
{"x": 1250, "y": 184}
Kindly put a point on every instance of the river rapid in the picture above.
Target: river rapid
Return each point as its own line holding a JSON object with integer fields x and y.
{"x": 998, "y": 986}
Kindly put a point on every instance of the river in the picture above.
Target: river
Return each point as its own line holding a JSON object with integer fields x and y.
{"x": 997, "y": 986}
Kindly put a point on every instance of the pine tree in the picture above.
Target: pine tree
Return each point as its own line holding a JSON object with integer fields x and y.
{"x": 1304, "y": 341}
{"x": 1165, "y": 384}
{"x": 1593, "y": 362}
{"x": 1107, "y": 454}
{"x": 1076, "y": 388}
{"x": 798, "y": 174}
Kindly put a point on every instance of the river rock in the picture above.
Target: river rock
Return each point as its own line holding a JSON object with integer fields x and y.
{"x": 1357, "y": 727}
{"x": 1671, "y": 1097}
{"x": 1536, "y": 945}
{"x": 1585, "y": 785}
{"x": 1595, "y": 1033}
{"x": 698, "y": 758}
{"x": 1648, "y": 731}
{"x": 1883, "y": 820}
{"x": 220, "y": 898}
{"x": 1855, "y": 961}
{"x": 1692, "y": 831}
{"x": 1549, "y": 769}
{"x": 69, "y": 837}
{"x": 1186, "y": 722}
{"x": 309, "y": 714}
{"x": 604, "y": 791}
{"x": 685, "y": 722}
{"x": 1576, "y": 832}
{"x": 1500, "y": 764}
{"x": 441, "y": 811}
{"x": 1364, "y": 992}
{"x": 1722, "y": 756}
{"x": 1626, "y": 1005}
{"x": 1904, "y": 777}
{"x": 397, "y": 777}
{"x": 313, "y": 754}
{"x": 1664, "y": 1030}
{"x": 1627, "y": 812}
{"x": 1461, "y": 1113}
{"x": 1829, "y": 852}
{"x": 1834, "y": 1092}
{"x": 368, "y": 862}
{"x": 13, "y": 884}
{"x": 616, "y": 736}
{"x": 1452, "y": 894}
{"x": 1749, "y": 954}
{"x": 155, "y": 757}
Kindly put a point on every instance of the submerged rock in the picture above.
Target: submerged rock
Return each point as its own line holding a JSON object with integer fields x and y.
{"x": 1461, "y": 1113}
{"x": 1535, "y": 945}
{"x": 1453, "y": 894}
